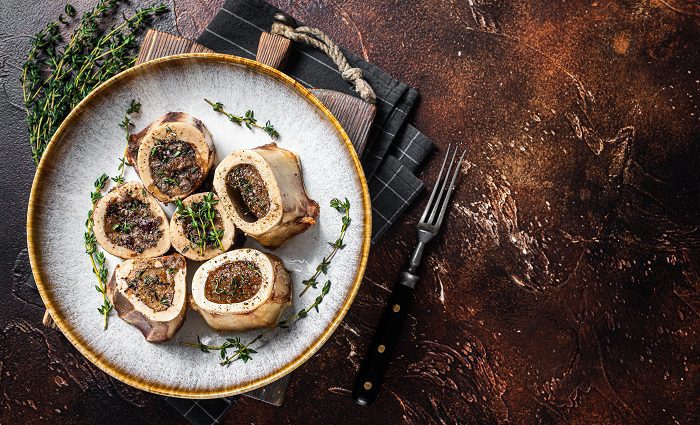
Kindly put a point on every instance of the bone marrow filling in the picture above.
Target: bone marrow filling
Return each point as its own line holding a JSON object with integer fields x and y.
{"x": 249, "y": 191}
{"x": 174, "y": 166}
{"x": 153, "y": 286}
{"x": 233, "y": 282}
{"x": 131, "y": 223}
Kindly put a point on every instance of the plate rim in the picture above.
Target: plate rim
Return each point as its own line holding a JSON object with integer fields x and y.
{"x": 117, "y": 372}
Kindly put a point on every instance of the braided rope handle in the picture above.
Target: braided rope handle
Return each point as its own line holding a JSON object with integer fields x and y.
{"x": 319, "y": 40}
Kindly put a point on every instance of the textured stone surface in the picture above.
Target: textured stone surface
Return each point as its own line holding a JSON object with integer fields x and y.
{"x": 565, "y": 288}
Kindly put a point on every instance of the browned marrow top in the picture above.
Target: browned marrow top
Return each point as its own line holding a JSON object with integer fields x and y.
{"x": 130, "y": 223}
{"x": 233, "y": 282}
{"x": 250, "y": 188}
{"x": 154, "y": 286}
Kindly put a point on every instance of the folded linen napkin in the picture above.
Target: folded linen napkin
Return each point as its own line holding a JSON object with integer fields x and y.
{"x": 394, "y": 152}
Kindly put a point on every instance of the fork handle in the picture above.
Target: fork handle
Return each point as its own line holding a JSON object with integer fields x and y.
{"x": 386, "y": 336}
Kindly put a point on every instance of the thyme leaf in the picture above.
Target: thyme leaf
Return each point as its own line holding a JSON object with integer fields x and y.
{"x": 248, "y": 119}
{"x": 70, "y": 10}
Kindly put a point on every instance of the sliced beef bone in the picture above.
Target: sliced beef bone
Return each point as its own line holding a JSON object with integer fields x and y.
{"x": 129, "y": 223}
{"x": 185, "y": 236}
{"x": 240, "y": 290}
{"x": 173, "y": 155}
{"x": 263, "y": 191}
{"x": 150, "y": 294}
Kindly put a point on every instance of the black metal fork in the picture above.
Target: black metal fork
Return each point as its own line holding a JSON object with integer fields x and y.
{"x": 385, "y": 337}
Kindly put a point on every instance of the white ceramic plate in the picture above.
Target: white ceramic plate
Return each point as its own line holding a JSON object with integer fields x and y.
{"x": 90, "y": 142}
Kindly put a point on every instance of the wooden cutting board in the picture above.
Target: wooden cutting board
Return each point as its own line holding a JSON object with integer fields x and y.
{"x": 354, "y": 115}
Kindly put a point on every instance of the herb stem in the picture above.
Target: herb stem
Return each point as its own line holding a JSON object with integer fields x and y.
{"x": 102, "y": 286}
{"x": 134, "y": 108}
{"x": 343, "y": 207}
{"x": 216, "y": 234}
{"x": 197, "y": 345}
{"x": 97, "y": 258}
{"x": 248, "y": 119}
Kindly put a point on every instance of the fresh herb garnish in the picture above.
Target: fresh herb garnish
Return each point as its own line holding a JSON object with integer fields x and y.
{"x": 201, "y": 216}
{"x": 344, "y": 208}
{"x": 134, "y": 108}
{"x": 243, "y": 351}
{"x": 97, "y": 258}
{"x": 123, "y": 227}
{"x": 57, "y": 76}
{"x": 119, "y": 178}
{"x": 170, "y": 181}
{"x": 248, "y": 119}
{"x": 70, "y": 10}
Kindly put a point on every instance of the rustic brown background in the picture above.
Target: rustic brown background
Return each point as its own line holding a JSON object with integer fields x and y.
{"x": 565, "y": 286}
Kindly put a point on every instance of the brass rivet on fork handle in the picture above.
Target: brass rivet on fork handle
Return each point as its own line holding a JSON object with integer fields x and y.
{"x": 386, "y": 335}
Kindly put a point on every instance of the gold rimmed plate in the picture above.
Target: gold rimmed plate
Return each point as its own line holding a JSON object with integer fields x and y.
{"x": 89, "y": 143}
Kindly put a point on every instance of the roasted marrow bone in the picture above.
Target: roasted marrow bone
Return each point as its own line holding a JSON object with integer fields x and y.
{"x": 240, "y": 290}
{"x": 150, "y": 294}
{"x": 129, "y": 223}
{"x": 263, "y": 191}
{"x": 200, "y": 229}
{"x": 173, "y": 155}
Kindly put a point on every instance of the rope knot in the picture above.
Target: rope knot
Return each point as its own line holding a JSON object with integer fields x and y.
{"x": 362, "y": 87}
{"x": 321, "y": 41}
{"x": 352, "y": 74}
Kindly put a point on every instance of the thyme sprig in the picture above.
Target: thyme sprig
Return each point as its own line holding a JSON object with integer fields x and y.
{"x": 57, "y": 76}
{"x": 97, "y": 258}
{"x": 243, "y": 351}
{"x": 134, "y": 108}
{"x": 248, "y": 119}
{"x": 202, "y": 216}
{"x": 344, "y": 208}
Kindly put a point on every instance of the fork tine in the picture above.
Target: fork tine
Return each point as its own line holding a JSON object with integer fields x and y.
{"x": 439, "y": 199}
{"x": 446, "y": 202}
{"x": 435, "y": 187}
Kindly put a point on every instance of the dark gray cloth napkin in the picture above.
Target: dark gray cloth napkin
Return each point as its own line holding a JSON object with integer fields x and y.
{"x": 395, "y": 149}
{"x": 394, "y": 152}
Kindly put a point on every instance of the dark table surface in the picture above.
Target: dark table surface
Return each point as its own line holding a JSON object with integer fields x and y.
{"x": 565, "y": 286}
